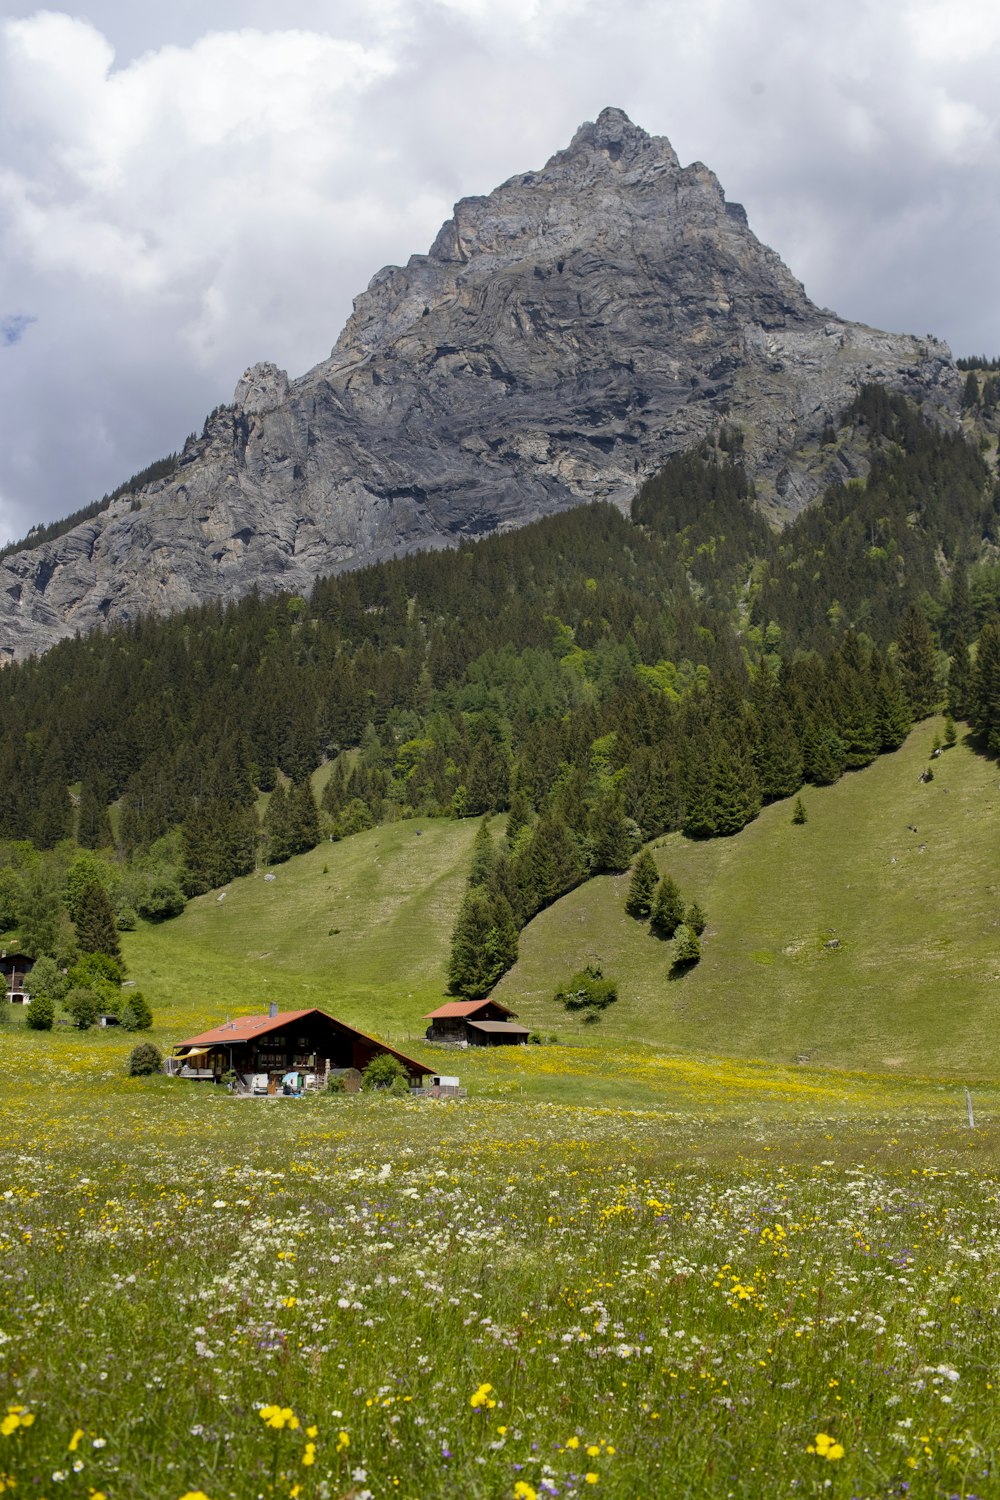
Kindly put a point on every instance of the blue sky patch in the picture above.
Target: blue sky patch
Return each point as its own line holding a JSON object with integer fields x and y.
{"x": 12, "y": 328}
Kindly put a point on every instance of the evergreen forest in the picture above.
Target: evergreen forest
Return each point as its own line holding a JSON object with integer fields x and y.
{"x": 598, "y": 678}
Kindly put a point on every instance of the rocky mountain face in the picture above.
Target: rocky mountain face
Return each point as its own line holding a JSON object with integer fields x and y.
{"x": 561, "y": 338}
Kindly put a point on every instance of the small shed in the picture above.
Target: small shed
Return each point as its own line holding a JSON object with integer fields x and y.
{"x": 307, "y": 1041}
{"x": 14, "y": 969}
{"x": 475, "y": 1023}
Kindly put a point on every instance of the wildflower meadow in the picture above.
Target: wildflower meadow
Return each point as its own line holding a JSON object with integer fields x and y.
{"x": 722, "y": 1280}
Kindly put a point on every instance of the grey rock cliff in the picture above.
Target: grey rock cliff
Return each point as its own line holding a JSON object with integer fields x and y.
{"x": 561, "y": 338}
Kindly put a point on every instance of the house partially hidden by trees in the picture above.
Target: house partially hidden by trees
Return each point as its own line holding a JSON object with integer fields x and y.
{"x": 305, "y": 1041}
{"x": 15, "y": 968}
{"x": 475, "y": 1023}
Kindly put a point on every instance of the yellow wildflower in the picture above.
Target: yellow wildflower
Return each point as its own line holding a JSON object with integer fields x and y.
{"x": 309, "y": 1456}
{"x": 279, "y": 1416}
{"x": 592, "y": 1478}
{"x": 524, "y": 1491}
{"x": 74, "y": 1441}
{"x": 343, "y": 1441}
{"x": 572, "y": 1442}
{"x": 16, "y": 1417}
{"x": 482, "y": 1397}
{"x": 826, "y": 1447}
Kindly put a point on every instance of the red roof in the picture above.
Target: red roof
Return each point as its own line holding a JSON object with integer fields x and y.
{"x": 246, "y": 1028}
{"x": 464, "y": 1008}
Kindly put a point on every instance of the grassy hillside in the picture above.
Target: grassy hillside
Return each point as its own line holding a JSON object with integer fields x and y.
{"x": 915, "y": 982}
{"x": 359, "y": 927}
{"x": 362, "y": 927}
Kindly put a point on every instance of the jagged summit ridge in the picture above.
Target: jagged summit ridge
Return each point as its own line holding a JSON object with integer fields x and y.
{"x": 562, "y": 336}
{"x": 615, "y": 178}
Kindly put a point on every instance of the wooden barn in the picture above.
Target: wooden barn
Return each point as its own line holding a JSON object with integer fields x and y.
{"x": 475, "y": 1023}
{"x": 304, "y": 1041}
{"x": 15, "y": 968}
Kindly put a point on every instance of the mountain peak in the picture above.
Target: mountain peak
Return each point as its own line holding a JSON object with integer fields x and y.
{"x": 614, "y": 135}
{"x": 565, "y": 334}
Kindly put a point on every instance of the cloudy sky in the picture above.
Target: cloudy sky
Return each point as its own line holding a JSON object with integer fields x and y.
{"x": 186, "y": 188}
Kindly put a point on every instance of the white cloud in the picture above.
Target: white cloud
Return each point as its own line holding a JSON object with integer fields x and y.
{"x": 944, "y": 31}
{"x": 187, "y": 188}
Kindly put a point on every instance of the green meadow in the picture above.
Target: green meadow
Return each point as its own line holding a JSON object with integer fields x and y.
{"x": 753, "y": 1281}
{"x": 737, "y": 1239}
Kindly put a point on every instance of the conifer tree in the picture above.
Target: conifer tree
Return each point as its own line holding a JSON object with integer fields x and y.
{"x": 652, "y": 791}
{"x": 984, "y": 714}
{"x": 959, "y": 617}
{"x": 93, "y": 824}
{"x": 917, "y": 662}
{"x": 39, "y": 912}
{"x": 52, "y": 813}
{"x": 642, "y": 887}
{"x": 822, "y": 754}
{"x": 51, "y": 819}
{"x": 695, "y": 918}
{"x": 487, "y": 784}
{"x": 96, "y": 928}
{"x": 668, "y": 908}
{"x": 685, "y": 949}
{"x": 959, "y": 677}
{"x": 484, "y": 855}
{"x": 701, "y": 818}
{"x": 857, "y": 717}
{"x": 303, "y": 817}
{"x": 483, "y": 944}
{"x": 612, "y": 834}
{"x": 219, "y": 841}
{"x": 334, "y": 797}
{"x": 518, "y": 816}
{"x": 892, "y": 709}
{"x": 548, "y": 865}
{"x": 777, "y": 757}
{"x": 503, "y": 882}
{"x": 736, "y": 790}
{"x": 278, "y": 826}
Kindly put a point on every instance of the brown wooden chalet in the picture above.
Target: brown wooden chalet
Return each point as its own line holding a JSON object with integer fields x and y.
{"x": 14, "y": 969}
{"x": 304, "y": 1041}
{"x": 475, "y": 1023}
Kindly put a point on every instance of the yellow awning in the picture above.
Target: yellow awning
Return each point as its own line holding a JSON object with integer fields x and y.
{"x": 193, "y": 1052}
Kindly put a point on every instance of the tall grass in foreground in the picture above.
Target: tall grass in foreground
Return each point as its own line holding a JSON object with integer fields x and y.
{"x": 738, "y": 1289}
